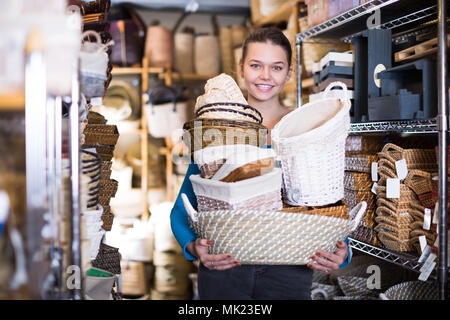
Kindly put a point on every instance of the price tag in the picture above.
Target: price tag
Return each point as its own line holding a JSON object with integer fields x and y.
{"x": 97, "y": 101}
{"x": 374, "y": 187}
{"x": 402, "y": 169}
{"x": 426, "y": 273}
{"x": 423, "y": 242}
{"x": 427, "y": 219}
{"x": 436, "y": 213}
{"x": 374, "y": 171}
{"x": 425, "y": 254}
{"x": 393, "y": 188}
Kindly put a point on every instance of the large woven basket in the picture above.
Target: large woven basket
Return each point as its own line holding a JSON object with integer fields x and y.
{"x": 421, "y": 159}
{"x": 357, "y": 181}
{"x": 218, "y": 132}
{"x": 419, "y": 181}
{"x": 310, "y": 142}
{"x": 360, "y": 162}
{"x": 363, "y": 144}
{"x": 270, "y": 237}
{"x": 412, "y": 290}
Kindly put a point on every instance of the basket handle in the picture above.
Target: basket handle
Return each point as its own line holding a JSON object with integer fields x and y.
{"x": 188, "y": 206}
{"x": 361, "y": 210}
{"x": 390, "y": 146}
{"x": 346, "y": 99}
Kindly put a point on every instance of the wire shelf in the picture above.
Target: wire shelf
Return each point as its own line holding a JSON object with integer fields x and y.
{"x": 403, "y": 126}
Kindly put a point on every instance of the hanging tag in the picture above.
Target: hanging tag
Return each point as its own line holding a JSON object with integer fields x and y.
{"x": 426, "y": 273}
{"x": 423, "y": 242}
{"x": 393, "y": 188}
{"x": 425, "y": 254}
{"x": 427, "y": 219}
{"x": 374, "y": 171}
{"x": 402, "y": 169}
{"x": 97, "y": 101}
{"x": 436, "y": 213}
{"x": 374, "y": 187}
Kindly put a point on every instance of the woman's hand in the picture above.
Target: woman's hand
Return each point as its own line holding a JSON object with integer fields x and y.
{"x": 328, "y": 262}
{"x": 199, "y": 248}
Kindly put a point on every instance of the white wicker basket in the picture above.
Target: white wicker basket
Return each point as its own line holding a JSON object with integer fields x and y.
{"x": 310, "y": 143}
{"x": 254, "y": 193}
{"x": 271, "y": 237}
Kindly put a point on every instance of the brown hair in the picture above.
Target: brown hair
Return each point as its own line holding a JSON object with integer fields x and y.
{"x": 273, "y": 35}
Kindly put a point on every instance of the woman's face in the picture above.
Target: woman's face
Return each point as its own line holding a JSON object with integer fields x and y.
{"x": 265, "y": 70}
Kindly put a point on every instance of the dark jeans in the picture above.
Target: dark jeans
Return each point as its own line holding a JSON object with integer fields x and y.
{"x": 255, "y": 282}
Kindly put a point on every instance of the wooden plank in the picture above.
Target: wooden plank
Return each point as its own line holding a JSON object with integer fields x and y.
{"x": 281, "y": 14}
{"x": 419, "y": 50}
{"x": 12, "y": 101}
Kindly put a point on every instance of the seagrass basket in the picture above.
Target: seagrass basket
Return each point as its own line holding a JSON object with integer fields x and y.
{"x": 357, "y": 181}
{"x": 419, "y": 181}
{"x": 360, "y": 162}
{"x": 391, "y": 242}
{"x": 421, "y": 159}
{"x": 270, "y": 237}
{"x": 219, "y": 132}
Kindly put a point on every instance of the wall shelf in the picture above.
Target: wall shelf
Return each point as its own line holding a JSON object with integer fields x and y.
{"x": 403, "y": 126}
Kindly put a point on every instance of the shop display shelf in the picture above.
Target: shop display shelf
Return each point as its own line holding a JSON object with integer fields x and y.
{"x": 279, "y": 15}
{"x": 393, "y": 14}
{"x": 404, "y": 260}
{"x": 402, "y": 126}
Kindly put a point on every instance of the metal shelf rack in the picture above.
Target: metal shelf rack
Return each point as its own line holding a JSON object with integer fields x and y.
{"x": 403, "y": 126}
{"x": 401, "y": 16}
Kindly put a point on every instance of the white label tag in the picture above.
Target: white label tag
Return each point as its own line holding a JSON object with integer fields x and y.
{"x": 374, "y": 171}
{"x": 402, "y": 169}
{"x": 431, "y": 257}
{"x": 374, "y": 187}
{"x": 423, "y": 242}
{"x": 393, "y": 188}
{"x": 426, "y": 273}
{"x": 425, "y": 254}
{"x": 97, "y": 101}
{"x": 427, "y": 219}
{"x": 436, "y": 213}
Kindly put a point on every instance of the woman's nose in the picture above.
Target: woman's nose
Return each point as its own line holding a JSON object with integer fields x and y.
{"x": 265, "y": 73}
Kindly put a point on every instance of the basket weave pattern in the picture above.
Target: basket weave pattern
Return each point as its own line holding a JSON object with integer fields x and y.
{"x": 360, "y": 162}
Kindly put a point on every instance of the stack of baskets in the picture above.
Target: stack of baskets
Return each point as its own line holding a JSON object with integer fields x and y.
{"x": 400, "y": 219}
{"x": 361, "y": 151}
{"x": 249, "y": 222}
{"x": 101, "y": 138}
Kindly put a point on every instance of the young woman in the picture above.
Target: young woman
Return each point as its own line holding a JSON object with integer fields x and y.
{"x": 265, "y": 67}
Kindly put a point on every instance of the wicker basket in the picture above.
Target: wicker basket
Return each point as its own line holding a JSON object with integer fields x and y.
{"x": 270, "y": 237}
{"x": 108, "y": 259}
{"x": 229, "y": 111}
{"x": 391, "y": 242}
{"x": 366, "y": 235}
{"x": 355, "y": 286}
{"x": 96, "y": 118}
{"x": 406, "y": 194}
{"x": 356, "y": 181}
{"x": 366, "y": 144}
{"x": 360, "y": 162}
{"x": 338, "y": 210}
{"x": 421, "y": 159}
{"x": 108, "y": 220}
{"x": 310, "y": 142}
{"x": 412, "y": 290}
{"x": 352, "y": 198}
{"x": 101, "y": 134}
{"x": 108, "y": 187}
{"x": 400, "y": 233}
{"x": 218, "y": 195}
{"x": 419, "y": 181}
{"x": 393, "y": 217}
{"x": 322, "y": 291}
{"x": 218, "y": 132}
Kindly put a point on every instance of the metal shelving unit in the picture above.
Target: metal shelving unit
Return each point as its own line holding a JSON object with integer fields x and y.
{"x": 398, "y": 15}
{"x": 405, "y": 126}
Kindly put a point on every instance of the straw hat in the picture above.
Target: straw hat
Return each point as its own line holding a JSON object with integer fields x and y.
{"x": 224, "y": 100}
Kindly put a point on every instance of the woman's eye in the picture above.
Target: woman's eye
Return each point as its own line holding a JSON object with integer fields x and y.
{"x": 277, "y": 68}
{"x": 255, "y": 66}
